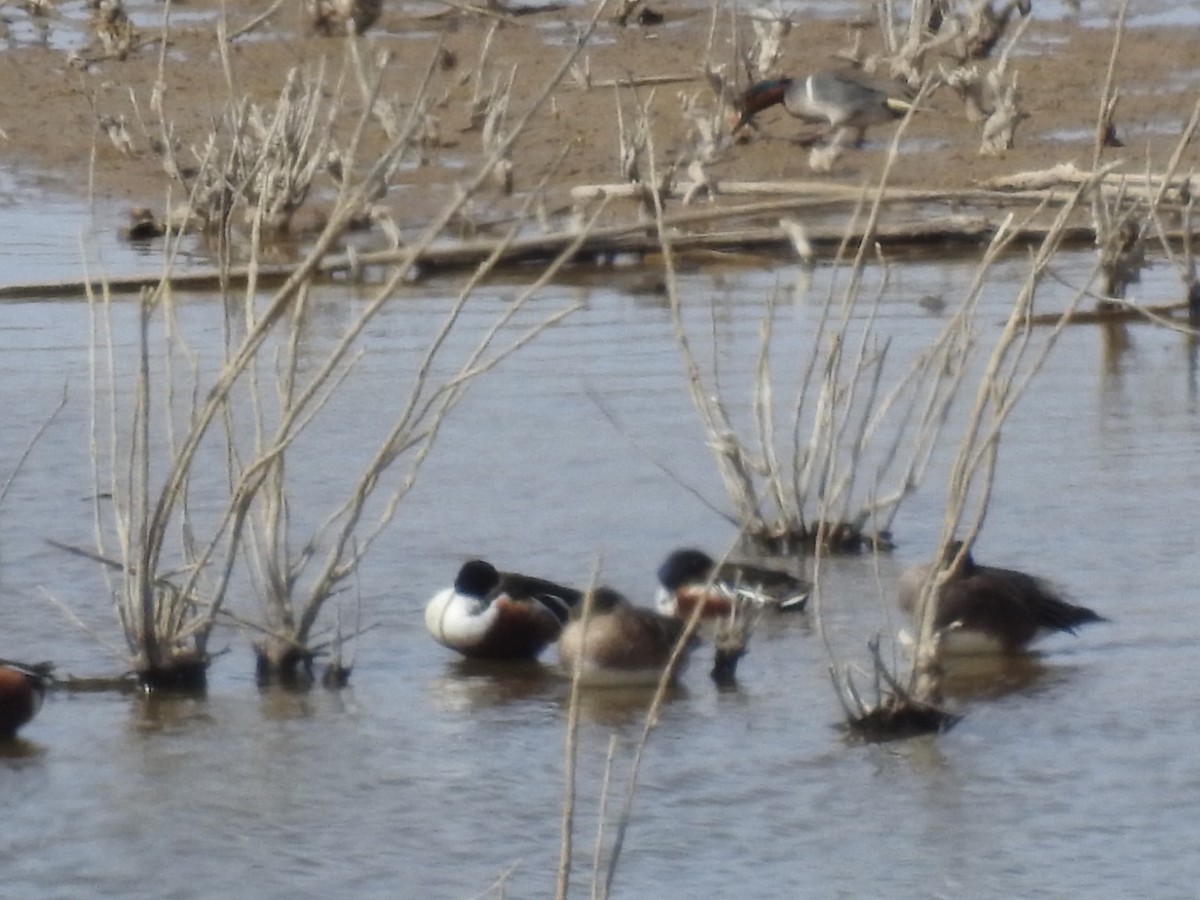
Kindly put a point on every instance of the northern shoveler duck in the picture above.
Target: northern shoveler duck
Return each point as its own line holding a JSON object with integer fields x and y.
{"x": 621, "y": 644}
{"x": 843, "y": 100}
{"x": 22, "y": 690}
{"x": 689, "y": 576}
{"x": 986, "y": 609}
{"x": 499, "y": 615}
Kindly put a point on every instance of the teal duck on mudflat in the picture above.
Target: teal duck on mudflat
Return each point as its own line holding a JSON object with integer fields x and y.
{"x": 842, "y": 99}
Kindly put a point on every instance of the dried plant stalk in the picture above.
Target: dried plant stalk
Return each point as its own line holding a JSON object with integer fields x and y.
{"x": 291, "y": 609}
{"x": 775, "y": 494}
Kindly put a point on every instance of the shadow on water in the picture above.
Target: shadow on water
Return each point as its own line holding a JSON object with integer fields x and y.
{"x": 287, "y": 703}
{"x": 15, "y": 750}
{"x": 1191, "y": 349}
{"x": 488, "y": 684}
{"x": 922, "y": 754}
{"x": 974, "y": 678}
{"x": 1116, "y": 342}
{"x": 155, "y": 712}
{"x": 620, "y": 707}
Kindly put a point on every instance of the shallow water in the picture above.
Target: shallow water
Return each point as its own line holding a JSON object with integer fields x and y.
{"x": 1072, "y": 775}
{"x": 67, "y": 29}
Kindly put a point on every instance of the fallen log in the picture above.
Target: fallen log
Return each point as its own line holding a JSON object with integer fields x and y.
{"x": 602, "y": 244}
{"x": 1162, "y": 313}
{"x": 1066, "y": 175}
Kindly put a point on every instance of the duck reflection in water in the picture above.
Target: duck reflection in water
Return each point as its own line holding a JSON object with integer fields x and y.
{"x": 982, "y": 677}
{"x": 486, "y": 683}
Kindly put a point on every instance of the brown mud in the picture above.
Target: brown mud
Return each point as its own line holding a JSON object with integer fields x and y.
{"x": 50, "y": 112}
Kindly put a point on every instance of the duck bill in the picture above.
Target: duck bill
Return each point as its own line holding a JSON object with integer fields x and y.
{"x": 744, "y": 119}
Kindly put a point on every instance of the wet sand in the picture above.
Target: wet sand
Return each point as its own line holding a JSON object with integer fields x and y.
{"x": 50, "y": 124}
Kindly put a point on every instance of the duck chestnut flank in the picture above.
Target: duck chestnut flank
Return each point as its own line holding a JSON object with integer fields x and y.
{"x": 22, "y": 690}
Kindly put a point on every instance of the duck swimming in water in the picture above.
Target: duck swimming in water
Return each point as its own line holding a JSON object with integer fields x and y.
{"x": 488, "y": 614}
{"x": 987, "y": 609}
{"x": 621, "y": 644}
{"x": 689, "y": 576}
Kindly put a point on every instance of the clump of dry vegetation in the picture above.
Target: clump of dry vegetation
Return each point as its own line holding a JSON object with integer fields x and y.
{"x": 173, "y": 568}
{"x": 777, "y": 475}
{"x": 904, "y": 705}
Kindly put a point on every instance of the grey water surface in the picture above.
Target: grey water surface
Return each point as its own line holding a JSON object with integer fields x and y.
{"x": 1072, "y": 774}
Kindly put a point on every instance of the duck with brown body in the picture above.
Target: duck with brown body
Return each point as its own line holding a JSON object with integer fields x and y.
{"x": 620, "y": 644}
{"x": 844, "y": 100}
{"x": 988, "y": 609}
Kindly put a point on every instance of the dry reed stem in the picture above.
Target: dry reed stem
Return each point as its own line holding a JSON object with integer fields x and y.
{"x": 1006, "y": 378}
{"x": 849, "y": 298}
{"x": 602, "y": 814}
{"x": 496, "y": 889}
{"x": 649, "y": 723}
{"x": 1107, "y": 94}
{"x": 1002, "y": 385}
{"x": 74, "y": 618}
{"x": 613, "y": 419}
{"x": 1186, "y": 267}
{"x": 772, "y": 495}
{"x": 30, "y": 444}
{"x": 648, "y": 726}
{"x": 571, "y": 753}
{"x": 254, "y": 23}
{"x": 426, "y": 414}
{"x": 652, "y": 714}
{"x": 415, "y": 427}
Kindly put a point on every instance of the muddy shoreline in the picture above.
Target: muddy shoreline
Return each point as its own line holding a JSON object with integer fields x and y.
{"x": 53, "y": 125}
